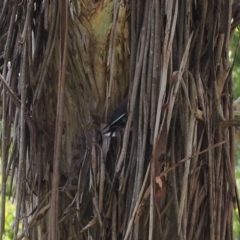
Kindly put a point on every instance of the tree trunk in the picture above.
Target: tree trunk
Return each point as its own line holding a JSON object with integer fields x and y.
{"x": 170, "y": 173}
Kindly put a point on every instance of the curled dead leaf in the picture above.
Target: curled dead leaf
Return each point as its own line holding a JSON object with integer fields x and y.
{"x": 199, "y": 115}
{"x": 159, "y": 181}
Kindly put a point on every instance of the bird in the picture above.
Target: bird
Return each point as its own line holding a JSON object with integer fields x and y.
{"x": 118, "y": 119}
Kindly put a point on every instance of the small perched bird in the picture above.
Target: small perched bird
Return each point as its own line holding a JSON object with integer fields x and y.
{"x": 117, "y": 120}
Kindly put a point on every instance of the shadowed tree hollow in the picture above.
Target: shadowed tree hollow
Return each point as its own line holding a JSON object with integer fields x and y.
{"x": 66, "y": 66}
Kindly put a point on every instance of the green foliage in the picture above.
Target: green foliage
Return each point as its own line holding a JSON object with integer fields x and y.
{"x": 236, "y": 224}
{"x": 236, "y": 229}
{"x": 235, "y": 53}
{"x": 10, "y": 209}
{"x": 9, "y": 218}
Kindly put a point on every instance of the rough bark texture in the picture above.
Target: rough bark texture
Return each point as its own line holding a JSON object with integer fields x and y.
{"x": 170, "y": 173}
